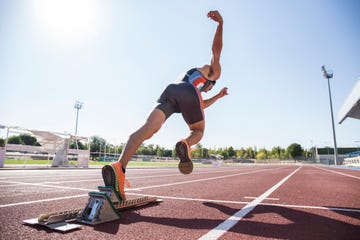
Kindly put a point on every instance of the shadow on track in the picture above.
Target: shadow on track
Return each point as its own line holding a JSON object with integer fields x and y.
{"x": 288, "y": 223}
{"x": 279, "y": 222}
{"x": 348, "y": 212}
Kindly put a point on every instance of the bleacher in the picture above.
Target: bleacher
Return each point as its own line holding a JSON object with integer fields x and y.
{"x": 353, "y": 159}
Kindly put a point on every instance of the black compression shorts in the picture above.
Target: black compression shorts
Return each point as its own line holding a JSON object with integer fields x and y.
{"x": 182, "y": 98}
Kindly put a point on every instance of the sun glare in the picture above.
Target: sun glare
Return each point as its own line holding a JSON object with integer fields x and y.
{"x": 69, "y": 22}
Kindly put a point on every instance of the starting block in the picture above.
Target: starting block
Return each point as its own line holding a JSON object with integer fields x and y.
{"x": 103, "y": 206}
{"x": 99, "y": 209}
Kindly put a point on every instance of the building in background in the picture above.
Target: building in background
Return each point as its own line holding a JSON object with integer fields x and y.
{"x": 351, "y": 108}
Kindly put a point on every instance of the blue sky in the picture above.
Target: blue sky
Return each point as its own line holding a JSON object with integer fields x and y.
{"x": 117, "y": 56}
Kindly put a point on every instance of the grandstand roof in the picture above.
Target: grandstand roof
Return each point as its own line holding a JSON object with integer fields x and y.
{"x": 351, "y": 106}
{"x": 50, "y": 141}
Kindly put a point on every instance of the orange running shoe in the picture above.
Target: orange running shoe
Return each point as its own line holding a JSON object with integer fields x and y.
{"x": 183, "y": 151}
{"x": 114, "y": 176}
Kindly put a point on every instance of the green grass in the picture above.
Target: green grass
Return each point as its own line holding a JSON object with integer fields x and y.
{"x": 97, "y": 163}
{"x": 30, "y": 161}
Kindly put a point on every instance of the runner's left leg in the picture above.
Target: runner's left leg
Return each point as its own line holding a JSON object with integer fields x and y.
{"x": 151, "y": 126}
{"x": 114, "y": 174}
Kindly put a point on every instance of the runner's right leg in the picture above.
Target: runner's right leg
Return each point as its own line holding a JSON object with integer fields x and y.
{"x": 183, "y": 146}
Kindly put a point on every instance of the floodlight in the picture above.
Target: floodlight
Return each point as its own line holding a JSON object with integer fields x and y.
{"x": 329, "y": 74}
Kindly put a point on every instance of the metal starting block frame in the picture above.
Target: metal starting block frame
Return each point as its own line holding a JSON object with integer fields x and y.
{"x": 99, "y": 209}
{"x": 103, "y": 206}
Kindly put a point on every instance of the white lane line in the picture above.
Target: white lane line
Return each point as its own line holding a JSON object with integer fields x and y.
{"x": 202, "y": 179}
{"x": 312, "y": 207}
{"x": 45, "y": 184}
{"x": 98, "y": 178}
{"x": 74, "y": 181}
{"x": 49, "y": 176}
{"x": 272, "y": 199}
{"x": 43, "y": 200}
{"x": 188, "y": 199}
{"x": 348, "y": 175}
{"x": 49, "y": 186}
{"x": 242, "y": 203}
{"x": 192, "y": 199}
{"x": 11, "y": 185}
{"x": 132, "y": 189}
{"x": 128, "y": 178}
{"x": 222, "y": 228}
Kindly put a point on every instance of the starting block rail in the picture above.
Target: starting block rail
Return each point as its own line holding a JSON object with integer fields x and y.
{"x": 103, "y": 206}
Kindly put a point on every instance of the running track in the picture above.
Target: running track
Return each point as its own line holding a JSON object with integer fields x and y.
{"x": 245, "y": 202}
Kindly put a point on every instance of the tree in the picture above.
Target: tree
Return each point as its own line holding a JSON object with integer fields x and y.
{"x": 223, "y": 152}
{"x": 199, "y": 151}
{"x": 146, "y": 150}
{"x": 120, "y": 148}
{"x": 97, "y": 143}
{"x": 14, "y": 140}
{"x": 295, "y": 150}
{"x": 80, "y": 145}
{"x": 231, "y": 152}
{"x": 277, "y": 152}
{"x": 309, "y": 153}
{"x": 173, "y": 153}
{"x": 262, "y": 154}
{"x": 250, "y": 153}
{"x": 167, "y": 153}
{"x": 240, "y": 153}
{"x": 29, "y": 140}
{"x": 23, "y": 139}
{"x": 159, "y": 151}
{"x": 205, "y": 153}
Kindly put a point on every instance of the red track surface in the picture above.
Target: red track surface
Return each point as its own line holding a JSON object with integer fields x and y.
{"x": 312, "y": 203}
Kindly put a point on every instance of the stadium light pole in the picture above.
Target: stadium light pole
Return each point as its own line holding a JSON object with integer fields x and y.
{"x": 78, "y": 105}
{"x": 329, "y": 74}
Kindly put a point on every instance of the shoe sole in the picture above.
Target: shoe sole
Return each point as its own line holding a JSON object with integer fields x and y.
{"x": 185, "y": 165}
{"x": 109, "y": 177}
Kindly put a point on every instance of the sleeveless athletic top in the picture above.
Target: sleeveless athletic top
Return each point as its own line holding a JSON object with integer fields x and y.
{"x": 195, "y": 77}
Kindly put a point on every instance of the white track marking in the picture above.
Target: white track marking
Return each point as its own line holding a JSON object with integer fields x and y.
{"x": 202, "y": 179}
{"x": 348, "y": 175}
{"x": 242, "y": 203}
{"x": 192, "y": 199}
{"x": 99, "y": 178}
{"x": 179, "y": 174}
{"x": 74, "y": 181}
{"x": 272, "y": 199}
{"x": 49, "y": 186}
{"x": 188, "y": 199}
{"x": 62, "y": 182}
{"x": 312, "y": 207}
{"x": 43, "y": 200}
{"x": 222, "y": 228}
{"x": 91, "y": 174}
{"x": 11, "y": 185}
{"x": 134, "y": 189}
{"x": 128, "y": 178}
{"x": 48, "y": 176}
